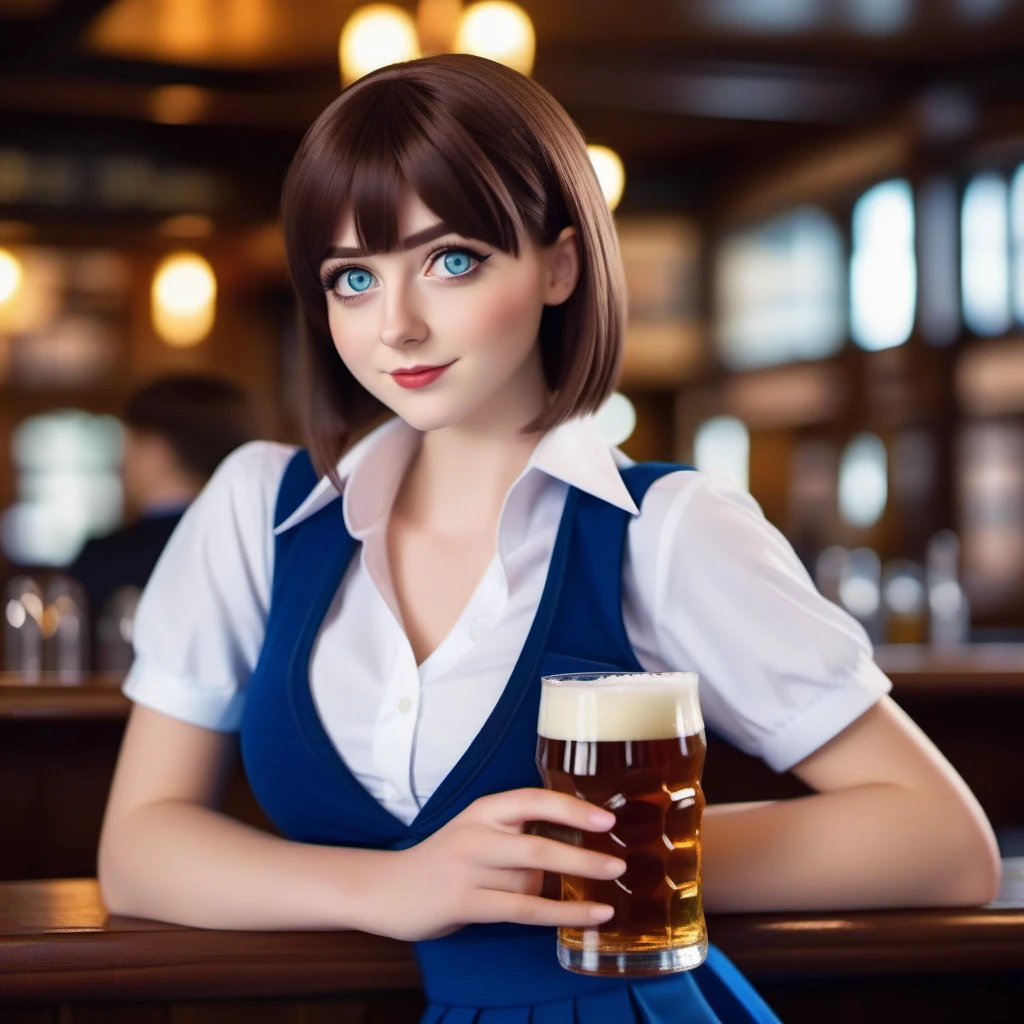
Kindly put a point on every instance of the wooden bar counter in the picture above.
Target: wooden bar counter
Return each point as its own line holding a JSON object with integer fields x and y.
{"x": 63, "y": 961}
{"x": 62, "y": 958}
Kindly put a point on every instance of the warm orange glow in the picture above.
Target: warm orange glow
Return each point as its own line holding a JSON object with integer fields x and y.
{"x": 374, "y": 36}
{"x": 499, "y": 30}
{"x": 437, "y": 22}
{"x": 611, "y": 175}
{"x": 218, "y": 32}
{"x": 186, "y": 225}
{"x": 184, "y": 298}
{"x": 11, "y": 275}
{"x": 177, "y": 104}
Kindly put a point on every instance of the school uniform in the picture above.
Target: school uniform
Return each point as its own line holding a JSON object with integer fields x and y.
{"x": 272, "y": 613}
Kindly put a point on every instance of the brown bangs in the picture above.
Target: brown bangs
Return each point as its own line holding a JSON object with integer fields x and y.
{"x": 395, "y": 135}
{"x": 496, "y": 159}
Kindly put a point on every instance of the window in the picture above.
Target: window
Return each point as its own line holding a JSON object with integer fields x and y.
{"x": 779, "y": 291}
{"x": 68, "y": 486}
{"x": 883, "y": 266}
{"x": 985, "y": 255}
{"x": 1017, "y": 215}
{"x": 863, "y": 481}
{"x": 722, "y": 445}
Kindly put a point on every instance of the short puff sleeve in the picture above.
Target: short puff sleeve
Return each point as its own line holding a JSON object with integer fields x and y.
{"x": 782, "y": 669}
{"x": 199, "y": 626}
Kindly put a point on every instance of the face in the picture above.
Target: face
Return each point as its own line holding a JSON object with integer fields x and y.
{"x": 459, "y": 312}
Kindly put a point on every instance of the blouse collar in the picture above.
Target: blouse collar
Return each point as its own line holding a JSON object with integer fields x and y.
{"x": 575, "y": 452}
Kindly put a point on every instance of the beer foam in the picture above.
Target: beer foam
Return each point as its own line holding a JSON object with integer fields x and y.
{"x": 621, "y": 707}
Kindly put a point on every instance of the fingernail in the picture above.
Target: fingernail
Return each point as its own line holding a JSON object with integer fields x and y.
{"x": 603, "y": 819}
{"x": 602, "y": 913}
{"x": 615, "y": 867}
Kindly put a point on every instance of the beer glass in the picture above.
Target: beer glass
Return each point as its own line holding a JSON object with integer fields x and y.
{"x": 632, "y": 743}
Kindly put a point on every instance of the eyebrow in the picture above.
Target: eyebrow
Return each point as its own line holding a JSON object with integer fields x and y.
{"x": 410, "y": 242}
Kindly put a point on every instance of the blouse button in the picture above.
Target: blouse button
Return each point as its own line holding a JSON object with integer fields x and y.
{"x": 480, "y": 627}
{"x": 404, "y": 705}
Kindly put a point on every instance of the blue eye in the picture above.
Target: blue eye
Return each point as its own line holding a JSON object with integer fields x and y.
{"x": 457, "y": 262}
{"x": 358, "y": 280}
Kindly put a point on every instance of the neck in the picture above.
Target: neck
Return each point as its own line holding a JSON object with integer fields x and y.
{"x": 458, "y": 479}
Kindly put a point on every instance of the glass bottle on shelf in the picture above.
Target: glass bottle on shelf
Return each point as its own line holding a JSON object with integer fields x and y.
{"x": 114, "y": 630}
{"x": 23, "y": 628}
{"x": 860, "y": 590}
{"x": 65, "y": 630}
{"x": 905, "y": 602}
{"x": 950, "y": 611}
{"x": 829, "y": 569}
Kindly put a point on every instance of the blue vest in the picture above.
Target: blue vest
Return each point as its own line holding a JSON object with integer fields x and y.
{"x": 482, "y": 974}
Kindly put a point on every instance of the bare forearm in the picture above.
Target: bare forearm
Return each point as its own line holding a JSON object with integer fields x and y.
{"x": 870, "y": 846}
{"x": 179, "y": 862}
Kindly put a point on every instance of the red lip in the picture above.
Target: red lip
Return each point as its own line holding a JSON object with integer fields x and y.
{"x": 418, "y": 376}
{"x": 417, "y": 369}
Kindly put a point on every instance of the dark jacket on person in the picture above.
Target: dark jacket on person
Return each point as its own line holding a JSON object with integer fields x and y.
{"x": 124, "y": 558}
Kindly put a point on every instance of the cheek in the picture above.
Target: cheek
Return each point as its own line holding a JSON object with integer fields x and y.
{"x": 351, "y": 332}
{"x": 509, "y": 315}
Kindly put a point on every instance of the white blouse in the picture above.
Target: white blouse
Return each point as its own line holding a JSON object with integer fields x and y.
{"x": 709, "y": 585}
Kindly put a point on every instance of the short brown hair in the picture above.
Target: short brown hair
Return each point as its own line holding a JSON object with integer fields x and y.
{"x": 202, "y": 418}
{"x": 495, "y": 156}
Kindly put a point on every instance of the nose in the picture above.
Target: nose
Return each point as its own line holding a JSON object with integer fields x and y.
{"x": 401, "y": 323}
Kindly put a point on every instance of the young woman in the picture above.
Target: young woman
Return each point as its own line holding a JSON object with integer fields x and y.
{"x": 373, "y": 614}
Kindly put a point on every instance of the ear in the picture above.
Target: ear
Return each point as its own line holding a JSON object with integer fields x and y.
{"x": 562, "y": 271}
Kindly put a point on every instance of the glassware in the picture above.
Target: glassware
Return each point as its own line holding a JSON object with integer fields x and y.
{"x": 23, "y": 628}
{"x": 634, "y": 744}
{"x": 114, "y": 630}
{"x": 65, "y": 629}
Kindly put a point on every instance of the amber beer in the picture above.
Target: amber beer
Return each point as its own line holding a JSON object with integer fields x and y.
{"x": 633, "y": 744}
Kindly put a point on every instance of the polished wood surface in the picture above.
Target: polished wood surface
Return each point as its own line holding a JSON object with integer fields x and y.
{"x": 972, "y": 668}
{"x": 97, "y": 698}
{"x": 56, "y": 935}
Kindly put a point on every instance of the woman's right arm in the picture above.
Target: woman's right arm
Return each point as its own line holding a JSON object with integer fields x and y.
{"x": 167, "y": 853}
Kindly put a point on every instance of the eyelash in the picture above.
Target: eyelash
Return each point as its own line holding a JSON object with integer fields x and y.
{"x": 330, "y": 278}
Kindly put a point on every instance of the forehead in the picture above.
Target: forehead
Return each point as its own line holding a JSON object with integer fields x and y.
{"x": 411, "y": 215}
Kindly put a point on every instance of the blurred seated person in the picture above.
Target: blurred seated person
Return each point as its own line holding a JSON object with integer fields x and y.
{"x": 177, "y": 431}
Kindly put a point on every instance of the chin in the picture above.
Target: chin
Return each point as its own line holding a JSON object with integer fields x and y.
{"x": 427, "y": 419}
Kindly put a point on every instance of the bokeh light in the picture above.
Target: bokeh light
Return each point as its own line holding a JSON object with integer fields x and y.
{"x": 498, "y": 30}
{"x": 611, "y": 175}
{"x": 373, "y": 37}
{"x": 184, "y": 299}
{"x": 10, "y": 275}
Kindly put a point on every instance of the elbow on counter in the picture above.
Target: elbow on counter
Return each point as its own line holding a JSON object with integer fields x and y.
{"x": 107, "y": 875}
{"x": 981, "y": 875}
{"x": 974, "y": 871}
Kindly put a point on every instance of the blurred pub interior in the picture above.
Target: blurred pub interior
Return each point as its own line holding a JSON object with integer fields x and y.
{"x": 823, "y": 228}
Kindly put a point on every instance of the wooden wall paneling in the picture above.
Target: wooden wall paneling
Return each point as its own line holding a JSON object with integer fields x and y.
{"x": 32, "y": 1013}
{"x": 112, "y": 1013}
{"x": 252, "y": 1011}
{"x": 771, "y": 453}
{"x": 54, "y": 777}
{"x": 54, "y": 780}
{"x": 981, "y": 738}
{"x": 938, "y": 999}
{"x": 653, "y": 437}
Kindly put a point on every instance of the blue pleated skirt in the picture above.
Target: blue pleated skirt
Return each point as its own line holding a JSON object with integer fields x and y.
{"x": 516, "y": 979}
